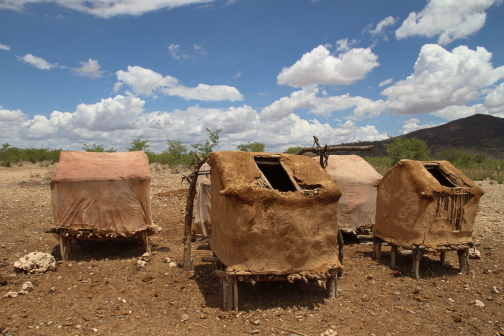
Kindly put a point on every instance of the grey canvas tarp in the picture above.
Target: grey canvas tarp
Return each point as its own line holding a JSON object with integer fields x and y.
{"x": 357, "y": 181}
{"x": 105, "y": 192}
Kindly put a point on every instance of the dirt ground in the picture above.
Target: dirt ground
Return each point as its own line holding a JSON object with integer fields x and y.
{"x": 102, "y": 292}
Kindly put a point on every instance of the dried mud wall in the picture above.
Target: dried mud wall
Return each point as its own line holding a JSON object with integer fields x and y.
{"x": 406, "y": 206}
{"x": 262, "y": 230}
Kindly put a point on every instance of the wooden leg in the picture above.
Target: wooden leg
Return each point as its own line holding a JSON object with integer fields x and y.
{"x": 462, "y": 256}
{"x": 63, "y": 247}
{"x": 393, "y": 256}
{"x": 467, "y": 261}
{"x": 443, "y": 258}
{"x": 341, "y": 254}
{"x": 377, "y": 243}
{"x": 145, "y": 240}
{"x": 235, "y": 294}
{"x": 332, "y": 285}
{"x": 227, "y": 293}
{"x": 415, "y": 271}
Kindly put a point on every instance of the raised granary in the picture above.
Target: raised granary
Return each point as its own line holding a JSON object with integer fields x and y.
{"x": 274, "y": 217}
{"x": 426, "y": 207}
{"x": 101, "y": 196}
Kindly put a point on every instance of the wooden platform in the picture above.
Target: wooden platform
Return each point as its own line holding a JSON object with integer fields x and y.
{"x": 417, "y": 251}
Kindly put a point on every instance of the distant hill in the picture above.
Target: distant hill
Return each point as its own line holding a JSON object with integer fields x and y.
{"x": 479, "y": 133}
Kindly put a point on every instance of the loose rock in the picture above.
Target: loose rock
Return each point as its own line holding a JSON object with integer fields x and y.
{"x": 36, "y": 262}
{"x": 478, "y": 303}
{"x": 11, "y": 294}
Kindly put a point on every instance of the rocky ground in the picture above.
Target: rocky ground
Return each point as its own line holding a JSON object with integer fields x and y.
{"x": 102, "y": 291}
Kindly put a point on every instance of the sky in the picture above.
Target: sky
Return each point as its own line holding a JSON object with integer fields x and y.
{"x": 76, "y": 72}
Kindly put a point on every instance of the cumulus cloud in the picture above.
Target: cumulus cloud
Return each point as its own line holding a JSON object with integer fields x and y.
{"x": 448, "y": 19}
{"x": 380, "y": 27}
{"x": 90, "y": 69}
{"x": 37, "y": 62}
{"x": 7, "y": 115}
{"x": 495, "y": 98}
{"x": 344, "y": 45}
{"x": 147, "y": 83}
{"x": 196, "y": 51}
{"x": 442, "y": 78}
{"x": 320, "y": 67}
{"x": 106, "y": 9}
{"x": 4, "y": 47}
{"x": 412, "y": 125}
{"x": 386, "y": 82}
{"x": 308, "y": 98}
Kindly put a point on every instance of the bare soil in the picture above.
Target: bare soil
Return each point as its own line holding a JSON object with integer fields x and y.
{"x": 101, "y": 291}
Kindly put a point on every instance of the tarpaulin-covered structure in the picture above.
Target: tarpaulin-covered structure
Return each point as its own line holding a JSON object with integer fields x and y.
{"x": 273, "y": 213}
{"x": 107, "y": 193}
{"x": 357, "y": 181}
{"x": 427, "y": 204}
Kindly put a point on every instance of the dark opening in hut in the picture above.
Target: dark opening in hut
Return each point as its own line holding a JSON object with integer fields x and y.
{"x": 275, "y": 174}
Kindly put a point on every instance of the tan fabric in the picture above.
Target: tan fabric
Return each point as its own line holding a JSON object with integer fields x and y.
{"x": 357, "y": 181}
{"x": 408, "y": 212}
{"x": 106, "y": 192}
{"x": 263, "y": 230}
{"x": 202, "y": 220}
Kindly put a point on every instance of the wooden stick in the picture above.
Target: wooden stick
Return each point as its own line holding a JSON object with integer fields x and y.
{"x": 235, "y": 294}
{"x": 393, "y": 256}
{"x": 189, "y": 213}
{"x": 227, "y": 294}
{"x": 443, "y": 258}
{"x": 210, "y": 259}
{"x": 341, "y": 254}
{"x": 290, "y": 177}
{"x": 63, "y": 247}
{"x": 415, "y": 271}
{"x": 377, "y": 243}
{"x": 145, "y": 240}
{"x": 336, "y": 149}
{"x": 332, "y": 285}
{"x": 289, "y": 330}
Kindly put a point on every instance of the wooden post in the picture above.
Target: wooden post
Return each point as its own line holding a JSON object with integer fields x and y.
{"x": 235, "y": 294}
{"x": 393, "y": 256}
{"x": 63, "y": 246}
{"x": 377, "y": 242}
{"x": 415, "y": 270}
{"x": 341, "y": 254}
{"x": 332, "y": 285}
{"x": 227, "y": 294}
{"x": 443, "y": 258}
{"x": 468, "y": 270}
{"x": 463, "y": 260}
{"x": 189, "y": 213}
{"x": 145, "y": 240}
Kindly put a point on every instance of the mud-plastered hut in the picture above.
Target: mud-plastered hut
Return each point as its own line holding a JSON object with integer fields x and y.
{"x": 426, "y": 207}
{"x": 274, "y": 217}
{"x": 358, "y": 182}
{"x": 101, "y": 196}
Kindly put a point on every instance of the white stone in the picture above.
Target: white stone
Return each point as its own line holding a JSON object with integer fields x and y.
{"x": 185, "y": 317}
{"x": 27, "y": 286}
{"x": 474, "y": 254}
{"x": 36, "y": 262}
{"x": 167, "y": 260}
{"x": 329, "y": 332}
{"x": 141, "y": 263}
{"x": 172, "y": 264}
{"x": 478, "y": 303}
{"x": 11, "y": 294}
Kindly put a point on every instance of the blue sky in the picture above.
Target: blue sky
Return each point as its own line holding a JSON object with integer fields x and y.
{"x": 278, "y": 72}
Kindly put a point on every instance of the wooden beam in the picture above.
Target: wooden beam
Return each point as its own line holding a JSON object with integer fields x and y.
{"x": 336, "y": 149}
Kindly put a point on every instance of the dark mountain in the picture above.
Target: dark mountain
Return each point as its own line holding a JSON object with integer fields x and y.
{"x": 479, "y": 133}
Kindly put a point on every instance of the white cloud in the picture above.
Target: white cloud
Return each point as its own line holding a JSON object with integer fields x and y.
{"x": 495, "y": 98}
{"x": 307, "y": 99}
{"x": 174, "y": 50}
{"x": 442, "y": 78}
{"x": 319, "y": 67}
{"x": 106, "y": 9}
{"x": 4, "y": 47}
{"x": 386, "y": 82}
{"x": 344, "y": 45}
{"x": 380, "y": 27}
{"x": 7, "y": 115}
{"x": 448, "y": 19}
{"x": 196, "y": 51}
{"x": 37, "y": 62}
{"x": 412, "y": 125}
{"x": 149, "y": 83}
{"x": 237, "y": 75}
{"x": 91, "y": 69}
{"x": 200, "y": 50}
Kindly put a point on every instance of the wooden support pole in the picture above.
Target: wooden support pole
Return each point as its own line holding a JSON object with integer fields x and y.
{"x": 443, "y": 258}
{"x": 415, "y": 270}
{"x": 468, "y": 270}
{"x": 463, "y": 260}
{"x": 332, "y": 285}
{"x": 227, "y": 293}
{"x": 235, "y": 294}
{"x": 189, "y": 213}
{"x": 336, "y": 149}
{"x": 341, "y": 254}
{"x": 63, "y": 247}
{"x": 145, "y": 240}
{"x": 210, "y": 259}
{"x": 393, "y": 256}
{"x": 377, "y": 242}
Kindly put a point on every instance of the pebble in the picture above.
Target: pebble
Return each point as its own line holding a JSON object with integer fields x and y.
{"x": 172, "y": 264}
{"x": 11, "y": 294}
{"x": 495, "y": 290}
{"x": 256, "y": 322}
{"x": 167, "y": 260}
{"x": 141, "y": 263}
{"x": 478, "y": 303}
{"x": 185, "y": 317}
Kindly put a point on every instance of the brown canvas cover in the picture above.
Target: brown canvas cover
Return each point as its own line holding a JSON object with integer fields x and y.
{"x": 105, "y": 192}
{"x": 357, "y": 181}
{"x": 264, "y": 230}
{"x": 426, "y": 203}
{"x": 202, "y": 219}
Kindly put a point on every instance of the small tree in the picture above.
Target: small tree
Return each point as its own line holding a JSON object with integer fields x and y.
{"x": 402, "y": 148}
{"x": 479, "y": 158}
{"x": 97, "y": 148}
{"x": 252, "y": 147}
{"x": 465, "y": 160}
{"x": 139, "y": 144}
{"x": 450, "y": 155}
{"x": 207, "y": 148}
